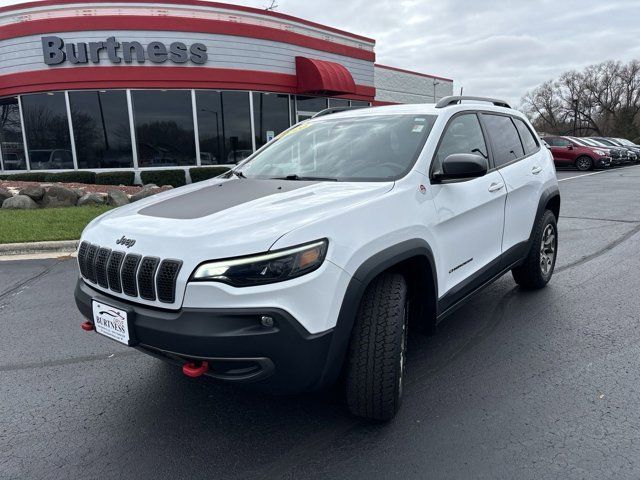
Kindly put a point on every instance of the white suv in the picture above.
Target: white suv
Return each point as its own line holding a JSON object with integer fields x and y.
{"x": 313, "y": 256}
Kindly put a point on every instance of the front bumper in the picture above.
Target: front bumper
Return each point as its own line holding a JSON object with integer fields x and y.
{"x": 603, "y": 162}
{"x": 283, "y": 358}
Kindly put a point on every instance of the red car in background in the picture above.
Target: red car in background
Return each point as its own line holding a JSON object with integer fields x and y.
{"x": 568, "y": 152}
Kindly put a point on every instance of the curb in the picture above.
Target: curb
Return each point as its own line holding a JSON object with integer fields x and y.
{"x": 62, "y": 246}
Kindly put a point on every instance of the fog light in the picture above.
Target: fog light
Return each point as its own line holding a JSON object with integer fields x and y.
{"x": 266, "y": 321}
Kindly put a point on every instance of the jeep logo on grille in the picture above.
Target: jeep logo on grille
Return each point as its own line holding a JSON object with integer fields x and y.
{"x": 127, "y": 242}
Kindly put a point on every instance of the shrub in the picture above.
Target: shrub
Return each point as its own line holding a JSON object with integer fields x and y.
{"x": 81, "y": 176}
{"x": 199, "y": 174}
{"x": 115, "y": 178}
{"x": 175, "y": 178}
{"x": 26, "y": 177}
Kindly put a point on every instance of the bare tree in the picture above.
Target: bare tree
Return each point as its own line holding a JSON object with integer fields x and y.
{"x": 603, "y": 99}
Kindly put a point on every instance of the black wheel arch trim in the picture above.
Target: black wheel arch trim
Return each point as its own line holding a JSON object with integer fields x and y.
{"x": 366, "y": 272}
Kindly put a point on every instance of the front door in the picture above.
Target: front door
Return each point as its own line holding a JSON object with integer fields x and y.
{"x": 470, "y": 215}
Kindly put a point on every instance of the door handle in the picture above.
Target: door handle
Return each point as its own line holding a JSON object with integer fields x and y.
{"x": 536, "y": 169}
{"x": 494, "y": 187}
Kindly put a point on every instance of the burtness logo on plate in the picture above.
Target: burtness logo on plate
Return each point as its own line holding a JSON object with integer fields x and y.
{"x": 112, "y": 319}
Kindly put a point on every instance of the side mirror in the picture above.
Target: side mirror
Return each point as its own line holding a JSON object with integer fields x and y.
{"x": 463, "y": 165}
{"x": 570, "y": 147}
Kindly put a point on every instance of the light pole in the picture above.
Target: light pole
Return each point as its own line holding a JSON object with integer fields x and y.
{"x": 435, "y": 82}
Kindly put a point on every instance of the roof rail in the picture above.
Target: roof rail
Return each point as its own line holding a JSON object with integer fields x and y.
{"x": 330, "y": 110}
{"x": 456, "y": 99}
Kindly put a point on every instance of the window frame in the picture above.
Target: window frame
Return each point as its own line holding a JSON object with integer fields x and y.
{"x": 526, "y": 155}
{"x": 485, "y": 137}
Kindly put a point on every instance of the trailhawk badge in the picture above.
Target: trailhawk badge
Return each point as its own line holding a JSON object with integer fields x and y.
{"x": 127, "y": 242}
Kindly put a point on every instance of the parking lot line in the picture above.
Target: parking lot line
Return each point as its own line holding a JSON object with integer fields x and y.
{"x": 595, "y": 173}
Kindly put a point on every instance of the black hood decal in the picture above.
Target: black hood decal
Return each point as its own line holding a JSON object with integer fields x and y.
{"x": 215, "y": 198}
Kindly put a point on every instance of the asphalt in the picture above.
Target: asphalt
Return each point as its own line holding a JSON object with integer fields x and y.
{"x": 526, "y": 385}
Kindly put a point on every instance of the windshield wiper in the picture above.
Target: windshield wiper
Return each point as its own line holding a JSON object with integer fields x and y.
{"x": 295, "y": 176}
{"x": 237, "y": 173}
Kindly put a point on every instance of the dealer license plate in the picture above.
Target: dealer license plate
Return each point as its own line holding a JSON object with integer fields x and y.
{"x": 111, "y": 322}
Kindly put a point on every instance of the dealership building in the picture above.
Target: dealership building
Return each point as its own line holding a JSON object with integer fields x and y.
{"x": 136, "y": 84}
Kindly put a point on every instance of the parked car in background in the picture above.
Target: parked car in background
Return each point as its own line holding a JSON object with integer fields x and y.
{"x": 50, "y": 159}
{"x": 569, "y": 152}
{"x": 627, "y": 154}
{"x": 616, "y": 153}
{"x": 624, "y": 143}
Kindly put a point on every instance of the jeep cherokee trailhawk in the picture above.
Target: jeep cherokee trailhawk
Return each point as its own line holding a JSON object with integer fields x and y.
{"x": 309, "y": 261}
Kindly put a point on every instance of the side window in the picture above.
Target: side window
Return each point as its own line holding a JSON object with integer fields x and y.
{"x": 528, "y": 140}
{"x": 504, "y": 139}
{"x": 463, "y": 135}
{"x": 550, "y": 140}
{"x": 561, "y": 142}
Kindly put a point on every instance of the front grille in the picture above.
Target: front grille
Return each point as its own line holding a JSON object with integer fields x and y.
{"x": 146, "y": 274}
{"x": 128, "y": 274}
{"x": 131, "y": 274}
{"x": 113, "y": 271}
{"x": 166, "y": 281}
{"x": 90, "y": 263}
{"x": 101, "y": 267}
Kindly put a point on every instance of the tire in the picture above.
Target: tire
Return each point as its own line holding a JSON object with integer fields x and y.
{"x": 375, "y": 363}
{"x": 584, "y": 163}
{"x": 537, "y": 269}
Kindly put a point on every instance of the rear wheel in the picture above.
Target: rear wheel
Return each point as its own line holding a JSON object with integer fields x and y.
{"x": 584, "y": 163}
{"x": 375, "y": 365}
{"x": 538, "y": 267}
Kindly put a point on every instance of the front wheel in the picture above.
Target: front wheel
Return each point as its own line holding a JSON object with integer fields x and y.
{"x": 584, "y": 163}
{"x": 538, "y": 267}
{"x": 375, "y": 365}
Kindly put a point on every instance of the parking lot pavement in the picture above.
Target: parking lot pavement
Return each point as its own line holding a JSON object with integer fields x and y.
{"x": 516, "y": 384}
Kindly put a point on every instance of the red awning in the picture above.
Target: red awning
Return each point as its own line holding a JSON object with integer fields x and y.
{"x": 322, "y": 77}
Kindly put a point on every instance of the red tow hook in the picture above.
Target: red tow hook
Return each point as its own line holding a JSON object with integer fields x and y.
{"x": 87, "y": 326}
{"x": 195, "y": 369}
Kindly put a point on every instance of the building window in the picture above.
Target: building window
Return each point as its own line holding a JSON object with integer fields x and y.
{"x": 359, "y": 103}
{"x": 47, "y": 128}
{"x": 224, "y": 126}
{"x": 164, "y": 128}
{"x": 307, "y": 106}
{"x": 11, "y": 143}
{"x": 338, "y": 102}
{"x": 101, "y": 129}
{"x": 270, "y": 115}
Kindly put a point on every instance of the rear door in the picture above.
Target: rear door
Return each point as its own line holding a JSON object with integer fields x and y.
{"x": 522, "y": 163}
{"x": 470, "y": 214}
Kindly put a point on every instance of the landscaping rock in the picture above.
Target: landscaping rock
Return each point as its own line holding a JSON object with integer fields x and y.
{"x": 57, "y": 196}
{"x": 117, "y": 198}
{"x": 146, "y": 191}
{"x": 4, "y": 194}
{"x": 35, "y": 192}
{"x": 19, "y": 202}
{"x": 91, "y": 199}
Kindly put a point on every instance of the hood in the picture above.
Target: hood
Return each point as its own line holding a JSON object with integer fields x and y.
{"x": 224, "y": 218}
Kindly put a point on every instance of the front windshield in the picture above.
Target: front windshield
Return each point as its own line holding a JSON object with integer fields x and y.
{"x": 362, "y": 148}
{"x": 579, "y": 141}
{"x": 625, "y": 142}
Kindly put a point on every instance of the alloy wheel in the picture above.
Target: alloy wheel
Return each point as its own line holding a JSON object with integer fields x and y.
{"x": 547, "y": 250}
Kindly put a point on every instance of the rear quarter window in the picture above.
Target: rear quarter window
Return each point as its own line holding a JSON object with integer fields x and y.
{"x": 529, "y": 142}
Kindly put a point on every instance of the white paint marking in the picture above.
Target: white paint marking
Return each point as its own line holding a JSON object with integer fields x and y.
{"x": 596, "y": 173}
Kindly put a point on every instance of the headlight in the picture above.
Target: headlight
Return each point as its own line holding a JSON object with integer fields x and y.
{"x": 268, "y": 267}
{"x": 600, "y": 152}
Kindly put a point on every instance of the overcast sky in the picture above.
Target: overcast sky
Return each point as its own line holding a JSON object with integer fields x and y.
{"x": 490, "y": 47}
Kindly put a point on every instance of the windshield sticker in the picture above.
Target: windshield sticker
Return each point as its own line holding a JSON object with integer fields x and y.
{"x": 418, "y": 119}
{"x": 297, "y": 128}
{"x": 417, "y": 128}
